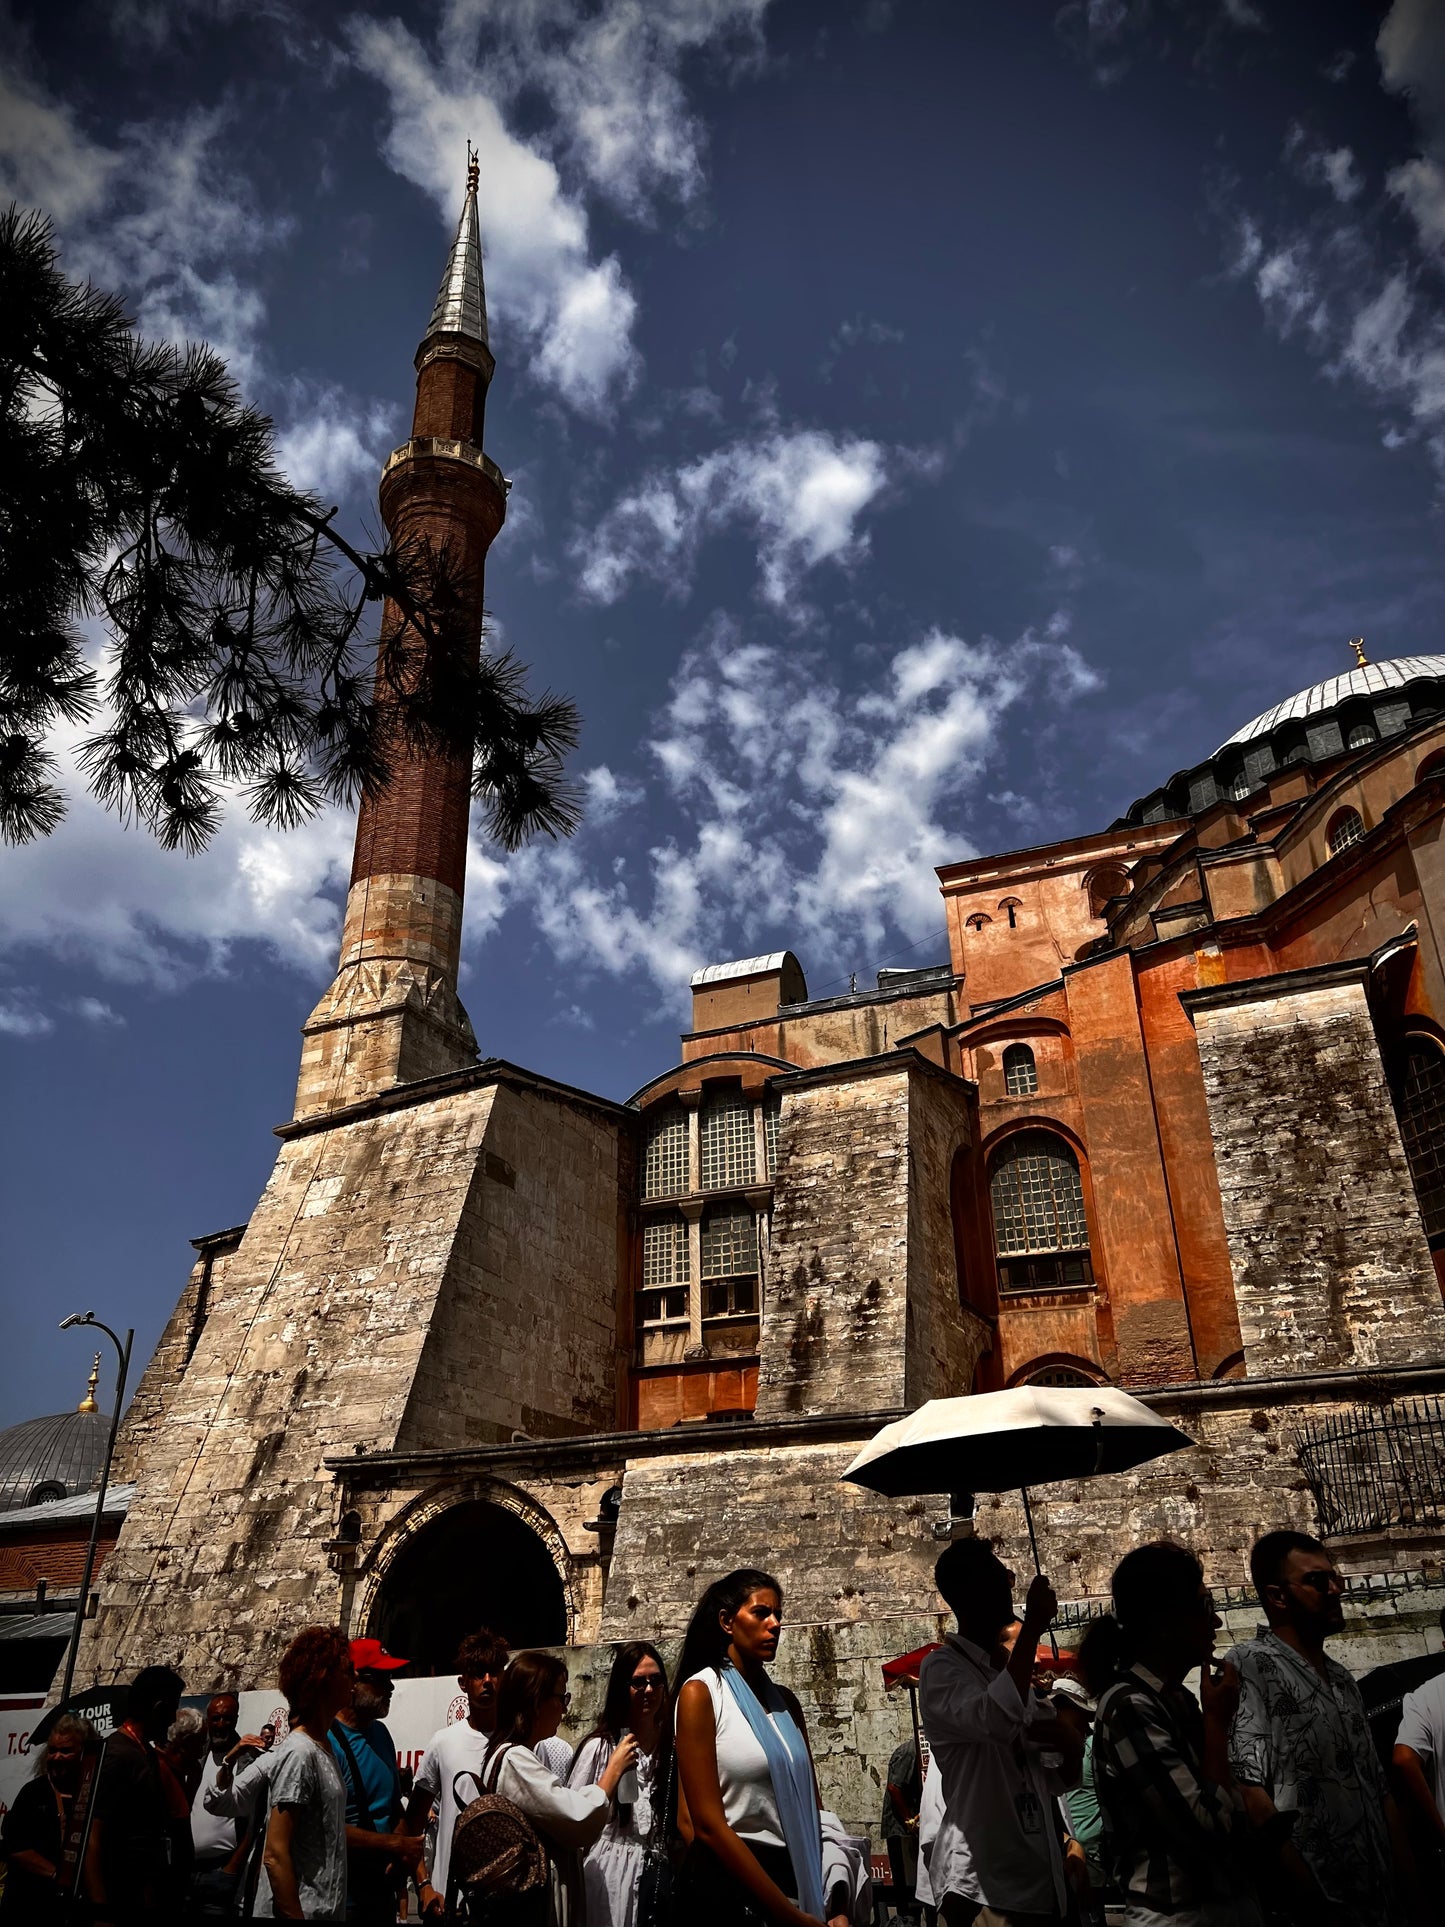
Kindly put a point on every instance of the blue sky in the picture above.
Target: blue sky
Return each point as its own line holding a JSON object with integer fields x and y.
{"x": 931, "y": 425}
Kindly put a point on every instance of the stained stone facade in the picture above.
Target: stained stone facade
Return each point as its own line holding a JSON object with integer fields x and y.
{"x": 1171, "y": 1114}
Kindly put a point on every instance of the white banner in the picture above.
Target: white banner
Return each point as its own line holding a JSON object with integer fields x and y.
{"x": 18, "y": 1713}
{"x": 418, "y": 1708}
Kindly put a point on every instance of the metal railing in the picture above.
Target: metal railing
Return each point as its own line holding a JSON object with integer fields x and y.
{"x": 1378, "y": 1468}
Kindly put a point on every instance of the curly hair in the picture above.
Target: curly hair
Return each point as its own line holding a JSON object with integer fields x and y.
{"x": 68, "y": 1726}
{"x": 307, "y": 1663}
{"x": 482, "y": 1652}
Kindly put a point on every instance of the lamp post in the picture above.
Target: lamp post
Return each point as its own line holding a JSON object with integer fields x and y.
{"x": 123, "y": 1353}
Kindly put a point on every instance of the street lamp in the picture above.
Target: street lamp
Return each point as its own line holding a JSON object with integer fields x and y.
{"x": 123, "y": 1353}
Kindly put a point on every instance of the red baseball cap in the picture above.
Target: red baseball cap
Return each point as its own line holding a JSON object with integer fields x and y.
{"x": 370, "y": 1656}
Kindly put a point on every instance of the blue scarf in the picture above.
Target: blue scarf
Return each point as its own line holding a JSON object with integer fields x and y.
{"x": 791, "y": 1771}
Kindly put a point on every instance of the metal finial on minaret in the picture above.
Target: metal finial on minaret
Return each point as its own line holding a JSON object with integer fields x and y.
{"x": 88, "y": 1404}
{"x": 1357, "y": 643}
{"x": 461, "y": 303}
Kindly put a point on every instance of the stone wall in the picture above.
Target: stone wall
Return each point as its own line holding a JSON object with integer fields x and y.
{"x": 401, "y": 1282}
{"x": 860, "y": 1298}
{"x": 526, "y": 1337}
{"x": 1331, "y": 1267}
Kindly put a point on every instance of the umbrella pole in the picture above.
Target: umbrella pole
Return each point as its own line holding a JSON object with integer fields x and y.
{"x": 917, "y": 1731}
{"x": 1034, "y": 1549}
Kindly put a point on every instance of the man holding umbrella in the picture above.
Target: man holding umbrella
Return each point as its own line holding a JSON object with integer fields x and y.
{"x": 997, "y": 1859}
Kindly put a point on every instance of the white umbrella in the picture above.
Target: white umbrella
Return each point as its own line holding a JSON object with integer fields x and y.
{"x": 1008, "y": 1441}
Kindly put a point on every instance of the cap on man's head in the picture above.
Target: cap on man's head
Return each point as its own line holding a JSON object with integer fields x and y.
{"x": 370, "y": 1656}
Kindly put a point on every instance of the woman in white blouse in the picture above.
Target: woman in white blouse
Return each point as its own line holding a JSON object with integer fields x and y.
{"x": 531, "y": 1700}
{"x": 748, "y": 1797}
{"x": 636, "y": 1703}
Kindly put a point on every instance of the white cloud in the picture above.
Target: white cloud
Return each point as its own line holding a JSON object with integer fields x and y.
{"x": 799, "y": 494}
{"x": 799, "y": 813}
{"x": 617, "y": 124}
{"x": 1362, "y": 302}
{"x": 45, "y": 159}
{"x": 93, "y": 1011}
{"x": 333, "y": 443}
{"x": 98, "y": 894}
{"x": 574, "y": 314}
{"x": 19, "y": 1018}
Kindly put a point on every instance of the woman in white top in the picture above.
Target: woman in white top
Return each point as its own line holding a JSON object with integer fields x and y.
{"x": 530, "y": 1703}
{"x": 636, "y": 1703}
{"x": 748, "y": 1797}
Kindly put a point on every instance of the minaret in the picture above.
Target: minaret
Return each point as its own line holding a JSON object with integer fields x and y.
{"x": 392, "y": 1014}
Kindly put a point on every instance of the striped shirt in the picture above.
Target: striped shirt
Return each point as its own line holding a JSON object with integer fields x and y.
{"x": 1166, "y": 1828}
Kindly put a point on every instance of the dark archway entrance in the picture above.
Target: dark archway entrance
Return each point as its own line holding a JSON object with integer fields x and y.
{"x": 476, "y": 1565}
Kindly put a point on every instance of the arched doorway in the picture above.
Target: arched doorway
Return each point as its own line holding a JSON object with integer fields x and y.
{"x": 475, "y": 1564}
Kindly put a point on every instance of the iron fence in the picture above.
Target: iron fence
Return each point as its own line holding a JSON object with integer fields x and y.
{"x": 1385, "y": 1467}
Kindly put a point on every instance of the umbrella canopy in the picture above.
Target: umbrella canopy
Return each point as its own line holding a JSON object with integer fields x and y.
{"x": 1000, "y": 1441}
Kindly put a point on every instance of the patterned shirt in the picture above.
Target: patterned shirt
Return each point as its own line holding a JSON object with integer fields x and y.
{"x": 1166, "y": 1828}
{"x": 1305, "y": 1740}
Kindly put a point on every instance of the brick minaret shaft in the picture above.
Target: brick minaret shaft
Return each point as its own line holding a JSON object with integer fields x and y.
{"x": 392, "y": 1014}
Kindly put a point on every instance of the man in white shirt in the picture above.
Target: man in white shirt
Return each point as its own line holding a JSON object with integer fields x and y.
{"x": 1419, "y": 1761}
{"x": 996, "y": 1859}
{"x": 215, "y": 1839}
{"x": 461, "y": 1748}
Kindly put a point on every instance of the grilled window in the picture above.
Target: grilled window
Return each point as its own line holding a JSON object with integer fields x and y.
{"x": 772, "y": 1116}
{"x": 1421, "y": 1109}
{"x": 1020, "y": 1072}
{"x": 1059, "y": 1375}
{"x": 729, "y": 1152}
{"x": 664, "y": 1168}
{"x": 1040, "y": 1232}
{"x": 664, "y": 1252}
{"x": 1346, "y": 829}
{"x": 729, "y": 1242}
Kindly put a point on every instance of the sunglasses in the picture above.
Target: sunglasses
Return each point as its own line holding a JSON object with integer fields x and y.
{"x": 1321, "y": 1582}
{"x": 649, "y": 1683}
{"x": 566, "y": 1698}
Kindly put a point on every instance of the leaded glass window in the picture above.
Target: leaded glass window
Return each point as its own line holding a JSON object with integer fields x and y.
{"x": 729, "y": 1150}
{"x": 664, "y": 1252}
{"x": 1421, "y": 1110}
{"x": 729, "y": 1241}
{"x": 1037, "y": 1196}
{"x": 664, "y": 1167}
{"x": 1348, "y": 828}
{"x": 772, "y": 1115}
{"x": 1020, "y": 1072}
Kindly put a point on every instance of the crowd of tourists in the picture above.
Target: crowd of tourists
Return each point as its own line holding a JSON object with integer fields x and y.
{"x": 1047, "y": 1790}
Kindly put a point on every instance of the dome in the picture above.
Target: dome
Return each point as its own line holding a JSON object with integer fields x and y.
{"x": 51, "y": 1458}
{"x": 1369, "y": 679}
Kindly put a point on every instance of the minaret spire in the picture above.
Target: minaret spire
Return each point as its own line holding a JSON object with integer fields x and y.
{"x": 392, "y": 1014}
{"x": 461, "y": 303}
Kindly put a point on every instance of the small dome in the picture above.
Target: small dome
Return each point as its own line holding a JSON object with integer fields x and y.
{"x": 51, "y": 1458}
{"x": 1369, "y": 679}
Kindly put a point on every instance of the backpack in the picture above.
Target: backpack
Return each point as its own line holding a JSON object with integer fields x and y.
{"x": 499, "y": 1869}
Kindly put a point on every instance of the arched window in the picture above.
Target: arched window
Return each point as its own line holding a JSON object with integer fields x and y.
{"x": 978, "y": 920}
{"x": 1361, "y": 736}
{"x": 729, "y": 1261}
{"x": 729, "y": 1149}
{"x": 1057, "y": 1375}
{"x": 1420, "y": 1105}
{"x": 1011, "y": 907}
{"x": 1347, "y": 827}
{"x": 1020, "y": 1072}
{"x": 1433, "y": 765}
{"x": 664, "y": 1163}
{"x": 1041, "y": 1235}
{"x": 1239, "y": 786}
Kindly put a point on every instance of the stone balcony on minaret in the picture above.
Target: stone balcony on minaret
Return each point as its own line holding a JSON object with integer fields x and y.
{"x": 392, "y": 1014}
